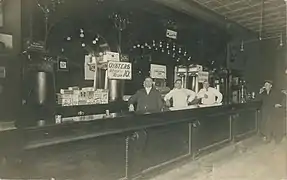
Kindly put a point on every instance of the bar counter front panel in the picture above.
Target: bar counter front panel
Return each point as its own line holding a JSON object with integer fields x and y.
{"x": 125, "y": 146}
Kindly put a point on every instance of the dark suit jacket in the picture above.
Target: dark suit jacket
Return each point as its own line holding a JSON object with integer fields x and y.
{"x": 268, "y": 107}
{"x": 147, "y": 103}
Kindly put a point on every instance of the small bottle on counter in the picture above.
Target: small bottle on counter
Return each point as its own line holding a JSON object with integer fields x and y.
{"x": 253, "y": 95}
{"x": 41, "y": 123}
{"x": 58, "y": 119}
{"x": 107, "y": 113}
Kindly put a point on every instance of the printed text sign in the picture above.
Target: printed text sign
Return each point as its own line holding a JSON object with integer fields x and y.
{"x": 119, "y": 70}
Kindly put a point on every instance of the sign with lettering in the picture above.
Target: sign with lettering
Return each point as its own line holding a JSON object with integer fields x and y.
{"x": 119, "y": 70}
{"x": 111, "y": 56}
{"x": 202, "y": 76}
{"x": 157, "y": 71}
{"x": 171, "y": 34}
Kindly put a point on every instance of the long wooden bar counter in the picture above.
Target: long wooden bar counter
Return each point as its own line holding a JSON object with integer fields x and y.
{"x": 125, "y": 146}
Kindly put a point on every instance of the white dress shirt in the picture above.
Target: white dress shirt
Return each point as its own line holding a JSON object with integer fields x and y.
{"x": 147, "y": 90}
{"x": 212, "y": 93}
{"x": 180, "y": 97}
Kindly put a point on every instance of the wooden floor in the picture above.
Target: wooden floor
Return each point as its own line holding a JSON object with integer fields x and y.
{"x": 259, "y": 161}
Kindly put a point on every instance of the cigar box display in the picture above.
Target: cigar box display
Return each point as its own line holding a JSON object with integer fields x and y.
{"x": 86, "y": 96}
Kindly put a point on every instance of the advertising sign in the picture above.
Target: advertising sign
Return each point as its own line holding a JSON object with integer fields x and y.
{"x": 119, "y": 70}
{"x": 157, "y": 71}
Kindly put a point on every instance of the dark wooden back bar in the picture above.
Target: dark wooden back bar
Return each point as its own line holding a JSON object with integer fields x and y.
{"x": 125, "y": 146}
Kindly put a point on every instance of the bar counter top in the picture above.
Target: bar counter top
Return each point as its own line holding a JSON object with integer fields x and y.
{"x": 52, "y": 133}
{"x": 138, "y": 142}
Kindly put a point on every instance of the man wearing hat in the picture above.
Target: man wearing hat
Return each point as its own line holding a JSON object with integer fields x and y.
{"x": 272, "y": 113}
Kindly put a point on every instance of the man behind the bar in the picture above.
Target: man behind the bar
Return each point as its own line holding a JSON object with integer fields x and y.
{"x": 180, "y": 96}
{"x": 272, "y": 113}
{"x": 209, "y": 95}
{"x": 148, "y": 99}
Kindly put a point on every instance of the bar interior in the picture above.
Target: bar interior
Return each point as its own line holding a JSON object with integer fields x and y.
{"x": 69, "y": 69}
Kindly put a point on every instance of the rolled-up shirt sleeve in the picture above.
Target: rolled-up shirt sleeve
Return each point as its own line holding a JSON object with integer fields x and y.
{"x": 200, "y": 94}
{"x": 191, "y": 95}
{"x": 218, "y": 95}
{"x": 168, "y": 96}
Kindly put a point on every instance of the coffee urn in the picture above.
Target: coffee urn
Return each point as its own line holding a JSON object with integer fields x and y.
{"x": 38, "y": 97}
{"x": 115, "y": 87}
{"x": 225, "y": 85}
{"x": 188, "y": 76}
{"x": 220, "y": 80}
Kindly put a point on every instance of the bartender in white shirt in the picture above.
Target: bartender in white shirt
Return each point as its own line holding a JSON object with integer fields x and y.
{"x": 179, "y": 95}
{"x": 209, "y": 95}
